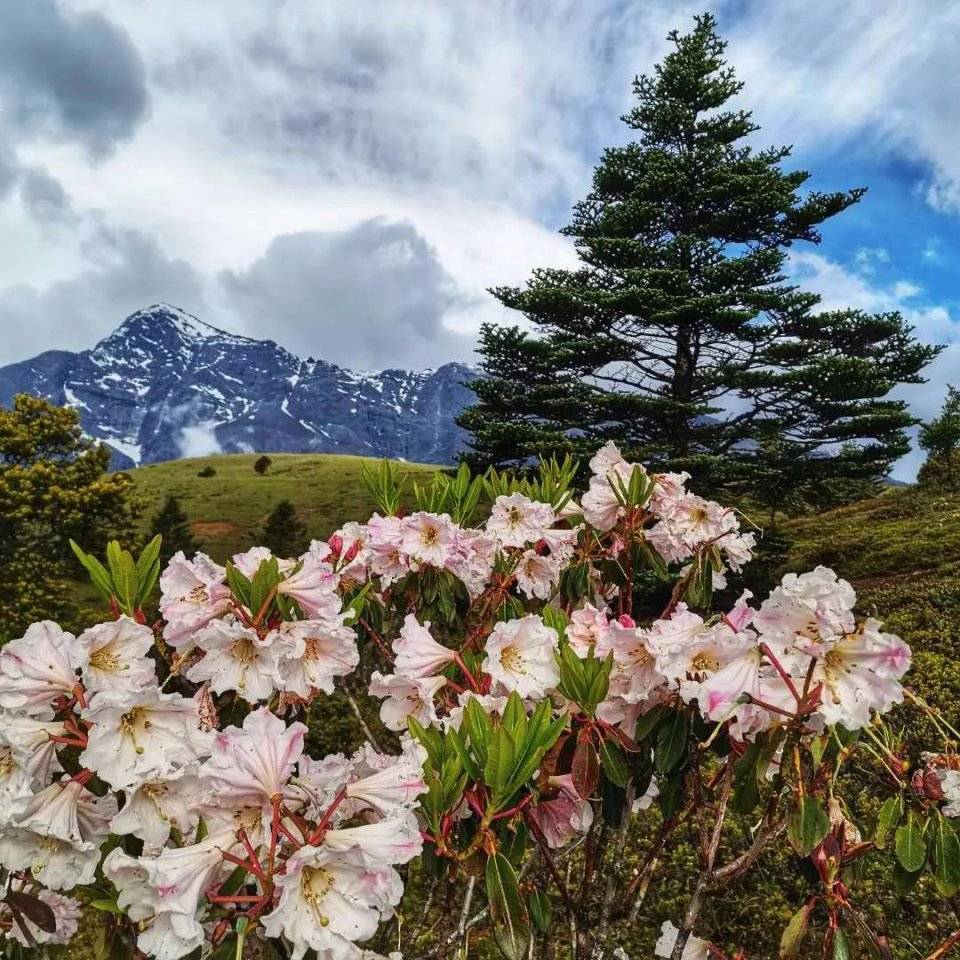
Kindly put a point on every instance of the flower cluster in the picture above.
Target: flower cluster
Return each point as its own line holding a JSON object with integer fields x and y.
{"x": 522, "y": 689}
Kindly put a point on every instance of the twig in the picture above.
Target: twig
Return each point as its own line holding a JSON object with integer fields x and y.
{"x": 614, "y": 876}
{"x": 367, "y": 732}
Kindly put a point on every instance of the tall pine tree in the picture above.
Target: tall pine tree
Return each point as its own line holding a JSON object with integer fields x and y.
{"x": 284, "y": 532}
{"x": 680, "y": 336}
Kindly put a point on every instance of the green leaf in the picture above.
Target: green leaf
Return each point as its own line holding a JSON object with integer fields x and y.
{"x": 108, "y": 906}
{"x": 541, "y": 909}
{"x": 807, "y": 824}
{"x": 501, "y": 760}
{"x": 945, "y": 856}
{"x": 795, "y": 932}
{"x": 508, "y": 915}
{"x": 126, "y": 582}
{"x": 614, "y": 763}
{"x": 841, "y": 946}
{"x": 909, "y": 844}
{"x": 887, "y": 820}
{"x": 671, "y": 741}
{"x": 239, "y": 584}
{"x": 647, "y": 723}
{"x": 98, "y": 573}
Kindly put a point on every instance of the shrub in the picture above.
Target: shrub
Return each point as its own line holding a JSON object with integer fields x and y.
{"x": 262, "y": 464}
{"x": 520, "y": 731}
{"x": 207, "y": 471}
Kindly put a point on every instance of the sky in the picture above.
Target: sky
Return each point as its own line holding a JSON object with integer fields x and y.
{"x": 349, "y": 179}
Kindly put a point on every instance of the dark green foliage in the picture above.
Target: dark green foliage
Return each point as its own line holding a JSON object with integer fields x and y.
{"x": 207, "y": 472}
{"x": 171, "y": 523}
{"x": 682, "y": 311}
{"x": 262, "y": 464}
{"x": 284, "y": 532}
{"x": 940, "y": 438}
{"x": 54, "y": 486}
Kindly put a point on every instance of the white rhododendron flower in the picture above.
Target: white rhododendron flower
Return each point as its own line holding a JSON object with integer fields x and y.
{"x": 113, "y": 656}
{"x": 418, "y": 654}
{"x": 68, "y": 811}
{"x": 249, "y": 766}
{"x": 406, "y": 698}
{"x": 238, "y": 658}
{"x": 32, "y": 745}
{"x": 588, "y": 628}
{"x": 154, "y": 808}
{"x": 515, "y": 520}
{"x": 313, "y": 653}
{"x": 136, "y": 737}
{"x": 16, "y": 785}
{"x": 66, "y": 915}
{"x": 192, "y": 593}
{"x": 36, "y": 669}
{"x": 314, "y": 587}
{"x": 521, "y": 657}
{"x": 428, "y": 539}
{"x": 634, "y": 676}
{"x": 330, "y": 900}
{"x": 537, "y": 574}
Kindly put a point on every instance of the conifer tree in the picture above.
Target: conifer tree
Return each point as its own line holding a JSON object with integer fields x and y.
{"x": 940, "y": 439}
{"x": 680, "y": 335}
{"x": 171, "y": 523}
{"x": 284, "y": 532}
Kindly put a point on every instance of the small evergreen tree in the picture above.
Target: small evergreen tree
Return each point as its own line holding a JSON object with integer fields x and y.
{"x": 171, "y": 523}
{"x": 940, "y": 440}
{"x": 54, "y": 486}
{"x": 680, "y": 336}
{"x": 284, "y": 532}
{"x": 262, "y": 464}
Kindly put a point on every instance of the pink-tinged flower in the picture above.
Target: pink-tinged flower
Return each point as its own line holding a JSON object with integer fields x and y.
{"x": 57, "y": 864}
{"x": 170, "y": 936}
{"x": 418, "y": 654}
{"x": 66, "y": 913}
{"x": 192, "y": 593}
{"x": 314, "y": 653}
{"x": 564, "y": 816}
{"x": 15, "y": 786}
{"x": 538, "y": 574}
{"x": 33, "y": 749}
{"x": 250, "y": 766}
{"x": 355, "y": 555}
{"x": 517, "y": 520}
{"x": 861, "y": 674}
{"x": 634, "y": 676}
{"x": 330, "y": 900}
{"x": 36, "y": 669}
{"x": 718, "y": 694}
{"x": 490, "y": 704}
{"x": 237, "y": 658}
{"x": 250, "y": 561}
{"x": 156, "y": 807}
{"x": 742, "y": 613}
{"x": 314, "y": 587}
{"x": 179, "y": 876}
{"x": 668, "y": 491}
{"x": 587, "y": 628}
{"x": 113, "y": 656}
{"x": 406, "y": 698}
{"x": 395, "y": 839}
{"x": 385, "y": 548}
{"x": 688, "y": 651}
{"x": 137, "y": 737}
{"x": 429, "y": 539}
{"x": 393, "y": 783}
{"x": 807, "y": 609}
{"x": 607, "y": 459}
{"x": 68, "y": 811}
{"x": 472, "y": 560}
{"x": 693, "y": 949}
{"x": 521, "y": 657}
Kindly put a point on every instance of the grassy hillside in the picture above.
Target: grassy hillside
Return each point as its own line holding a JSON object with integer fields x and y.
{"x": 227, "y": 510}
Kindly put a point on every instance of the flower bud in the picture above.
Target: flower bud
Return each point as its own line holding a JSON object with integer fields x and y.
{"x": 335, "y": 543}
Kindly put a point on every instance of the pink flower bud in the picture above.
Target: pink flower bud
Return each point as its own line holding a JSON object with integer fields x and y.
{"x": 336, "y": 545}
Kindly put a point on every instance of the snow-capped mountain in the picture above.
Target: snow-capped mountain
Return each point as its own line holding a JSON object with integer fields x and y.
{"x": 165, "y": 385}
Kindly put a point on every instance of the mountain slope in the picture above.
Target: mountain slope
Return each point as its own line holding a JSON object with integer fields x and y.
{"x": 165, "y": 385}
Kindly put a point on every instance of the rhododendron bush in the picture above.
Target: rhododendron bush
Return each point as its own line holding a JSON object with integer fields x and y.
{"x": 157, "y": 771}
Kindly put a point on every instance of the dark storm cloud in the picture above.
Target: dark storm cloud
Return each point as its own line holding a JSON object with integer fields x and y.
{"x": 69, "y": 76}
{"x": 370, "y": 297}
{"x": 129, "y": 271}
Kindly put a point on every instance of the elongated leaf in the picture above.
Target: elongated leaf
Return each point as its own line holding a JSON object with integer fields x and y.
{"x": 841, "y": 946}
{"x": 501, "y": 760}
{"x": 508, "y": 914}
{"x": 807, "y": 824}
{"x": 98, "y": 573}
{"x": 614, "y": 763}
{"x": 671, "y": 742}
{"x": 126, "y": 582}
{"x": 889, "y": 817}
{"x": 149, "y": 556}
{"x": 910, "y": 844}
{"x": 945, "y": 856}
{"x": 795, "y": 932}
{"x": 586, "y": 768}
{"x": 34, "y": 909}
{"x": 541, "y": 909}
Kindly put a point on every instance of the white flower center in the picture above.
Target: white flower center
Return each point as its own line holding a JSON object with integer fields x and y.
{"x": 315, "y": 884}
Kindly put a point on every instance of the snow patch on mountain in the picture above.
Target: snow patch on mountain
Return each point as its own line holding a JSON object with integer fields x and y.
{"x": 166, "y": 385}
